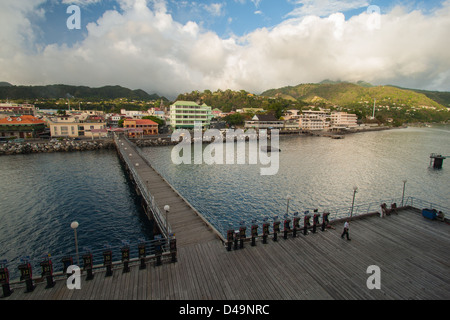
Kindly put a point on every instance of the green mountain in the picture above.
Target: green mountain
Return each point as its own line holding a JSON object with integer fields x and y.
{"x": 402, "y": 105}
{"x": 346, "y": 94}
{"x": 8, "y": 91}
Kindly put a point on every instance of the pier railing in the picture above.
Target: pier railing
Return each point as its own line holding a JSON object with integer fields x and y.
{"x": 150, "y": 246}
{"x": 158, "y": 215}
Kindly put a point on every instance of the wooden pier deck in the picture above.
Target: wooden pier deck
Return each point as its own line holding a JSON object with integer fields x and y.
{"x": 186, "y": 223}
{"x": 411, "y": 251}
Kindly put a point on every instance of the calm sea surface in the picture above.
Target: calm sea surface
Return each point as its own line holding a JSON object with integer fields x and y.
{"x": 316, "y": 172}
{"x": 41, "y": 194}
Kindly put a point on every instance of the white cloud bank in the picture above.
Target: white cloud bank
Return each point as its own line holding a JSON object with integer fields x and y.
{"x": 143, "y": 47}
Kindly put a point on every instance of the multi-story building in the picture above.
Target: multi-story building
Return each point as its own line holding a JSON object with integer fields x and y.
{"x": 140, "y": 126}
{"x": 264, "y": 121}
{"x": 13, "y": 109}
{"x": 343, "y": 120}
{"x": 312, "y": 120}
{"x": 77, "y": 126}
{"x": 26, "y": 126}
{"x": 185, "y": 114}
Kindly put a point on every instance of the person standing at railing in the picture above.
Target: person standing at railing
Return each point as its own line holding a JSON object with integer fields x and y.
{"x": 345, "y": 232}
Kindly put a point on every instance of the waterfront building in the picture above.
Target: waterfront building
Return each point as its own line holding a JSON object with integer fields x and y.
{"x": 14, "y": 109}
{"x": 343, "y": 120}
{"x": 313, "y": 120}
{"x": 140, "y": 126}
{"x": 26, "y": 126}
{"x": 264, "y": 121}
{"x": 74, "y": 126}
{"x": 185, "y": 114}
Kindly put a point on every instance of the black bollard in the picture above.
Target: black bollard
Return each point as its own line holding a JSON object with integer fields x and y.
{"x": 306, "y": 224}
{"x": 266, "y": 232}
{"x": 230, "y": 236}
{"x": 47, "y": 271}
{"x": 4, "y": 280}
{"x": 125, "y": 259}
{"x": 296, "y": 226}
{"x": 324, "y": 220}
{"x": 315, "y": 221}
{"x": 254, "y": 234}
{"x": 26, "y": 274}
{"x": 276, "y": 229}
{"x": 141, "y": 253}
{"x": 66, "y": 261}
{"x": 236, "y": 239}
{"x": 158, "y": 250}
{"x": 287, "y": 228}
{"x": 107, "y": 262}
{"x": 242, "y": 236}
{"x": 88, "y": 264}
{"x": 173, "y": 248}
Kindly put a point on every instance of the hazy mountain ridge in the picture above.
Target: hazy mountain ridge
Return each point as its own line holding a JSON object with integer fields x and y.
{"x": 57, "y": 91}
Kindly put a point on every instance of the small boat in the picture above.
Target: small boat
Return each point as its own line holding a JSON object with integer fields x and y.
{"x": 270, "y": 149}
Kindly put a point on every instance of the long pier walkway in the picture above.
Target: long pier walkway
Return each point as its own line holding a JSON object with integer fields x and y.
{"x": 412, "y": 253}
{"x": 184, "y": 221}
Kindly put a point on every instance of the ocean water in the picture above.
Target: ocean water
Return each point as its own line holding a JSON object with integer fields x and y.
{"x": 316, "y": 172}
{"x": 41, "y": 194}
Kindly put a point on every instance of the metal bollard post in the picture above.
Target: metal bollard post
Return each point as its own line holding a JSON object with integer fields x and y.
{"x": 66, "y": 261}
{"x": 306, "y": 223}
{"x": 4, "y": 279}
{"x": 125, "y": 259}
{"x": 107, "y": 262}
{"x": 287, "y": 226}
{"x": 242, "y": 236}
{"x": 266, "y": 232}
{"x": 315, "y": 220}
{"x": 276, "y": 229}
{"x": 88, "y": 264}
{"x": 296, "y": 225}
{"x": 254, "y": 233}
{"x": 230, "y": 236}
{"x": 236, "y": 239}
{"x": 325, "y": 220}
{"x": 173, "y": 248}
{"x": 26, "y": 274}
{"x": 141, "y": 252}
{"x": 158, "y": 250}
{"x": 47, "y": 271}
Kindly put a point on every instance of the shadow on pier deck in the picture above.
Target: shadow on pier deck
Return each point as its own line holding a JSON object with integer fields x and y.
{"x": 411, "y": 251}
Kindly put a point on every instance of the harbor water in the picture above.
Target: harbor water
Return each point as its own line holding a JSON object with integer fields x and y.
{"x": 41, "y": 194}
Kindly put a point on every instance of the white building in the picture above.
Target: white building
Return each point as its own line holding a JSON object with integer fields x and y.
{"x": 314, "y": 120}
{"x": 185, "y": 114}
{"x": 343, "y": 120}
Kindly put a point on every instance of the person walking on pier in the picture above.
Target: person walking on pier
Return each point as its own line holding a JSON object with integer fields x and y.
{"x": 345, "y": 232}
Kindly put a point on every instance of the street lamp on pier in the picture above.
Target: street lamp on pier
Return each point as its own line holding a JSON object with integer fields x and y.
{"x": 287, "y": 206}
{"x": 403, "y": 194}
{"x": 166, "y": 209}
{"x": 74, "y": 225}
{"x": 355, "y": 189}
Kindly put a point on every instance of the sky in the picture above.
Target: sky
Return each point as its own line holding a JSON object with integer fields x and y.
{"x": 170, "y": 47}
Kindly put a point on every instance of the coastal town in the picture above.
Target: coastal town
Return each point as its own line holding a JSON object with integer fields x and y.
{"x": 22, "y": 122}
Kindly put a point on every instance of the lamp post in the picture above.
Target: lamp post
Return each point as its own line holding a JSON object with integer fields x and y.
{"x": 287, "y": 206}
{"x": 166, "y": 209}
{"x": 74, "y": 225}
{"x": 355, "y": 189}
{"x": 403, "y": 194}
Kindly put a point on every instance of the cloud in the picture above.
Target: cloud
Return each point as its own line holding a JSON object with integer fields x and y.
{"x": 144, "y": 47}
{"x": 324, "y": 8}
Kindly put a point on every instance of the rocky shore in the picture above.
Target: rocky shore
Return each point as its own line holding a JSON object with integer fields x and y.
{"x": 54, "y": 146}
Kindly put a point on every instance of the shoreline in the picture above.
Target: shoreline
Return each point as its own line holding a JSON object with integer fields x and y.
{"x": 70, "y": 145}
